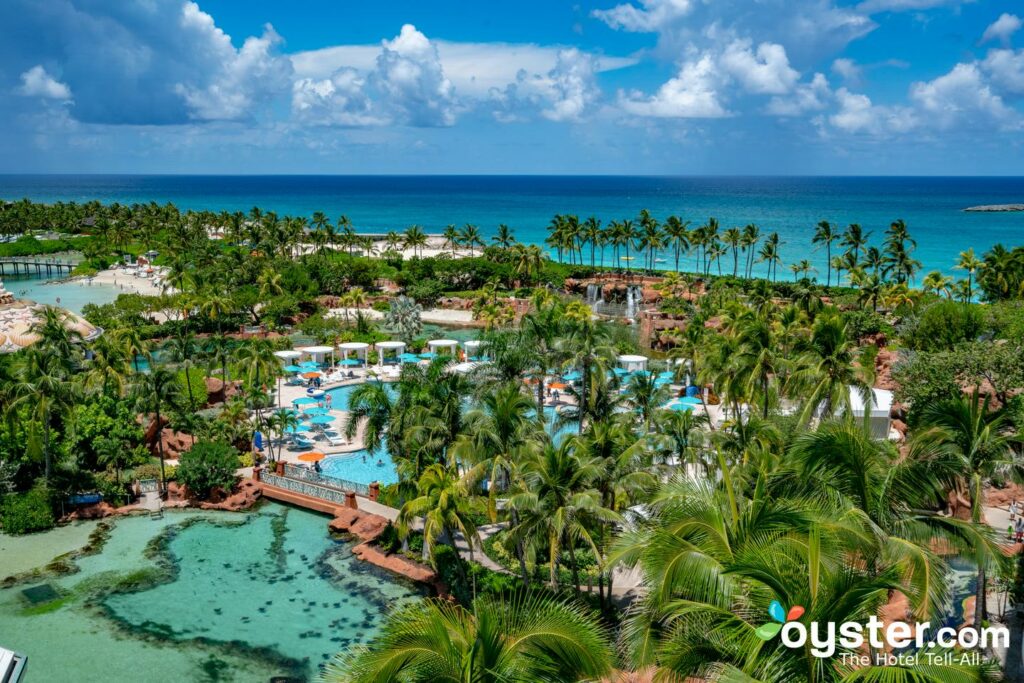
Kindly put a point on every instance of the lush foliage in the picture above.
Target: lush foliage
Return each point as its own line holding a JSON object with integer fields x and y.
{"x": 208, "y": 465}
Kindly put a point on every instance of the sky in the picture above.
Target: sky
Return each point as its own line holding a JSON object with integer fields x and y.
{"x": 657, "y": 87}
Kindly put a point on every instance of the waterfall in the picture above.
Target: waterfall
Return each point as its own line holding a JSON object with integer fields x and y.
{"x": 595, "y": 298}
{"x": 633, "y": 295}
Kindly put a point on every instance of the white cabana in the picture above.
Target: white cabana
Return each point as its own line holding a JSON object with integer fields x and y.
{"x": 356, "y": 348}
{"x": 472, "y": 347}
{"x": 288, "y": 355}
{"x": 435, "y": 344}
{"x": 318, "y": 352}
{"x": 384, "y": 346}
{"x": 877, "y": 412}
{"x": 464, "y": 368}
{"x": 631, "y": 363}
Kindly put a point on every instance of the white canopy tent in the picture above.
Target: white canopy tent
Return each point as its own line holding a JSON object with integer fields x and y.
{"x": 288, "y": 355}
{"x": 384, "y": 346}
{"x": 318, "y": 352}
{"x": 877, "y": 412}
{"x": 464, "y": 368}
{"x": 632, "y": 363}
{"x": 354, "y": 347}
{"x": 472, "y": 347}
{"x": 436, "y": 344}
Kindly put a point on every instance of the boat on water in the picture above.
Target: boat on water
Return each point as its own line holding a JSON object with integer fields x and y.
{"x": 12, "y": 666}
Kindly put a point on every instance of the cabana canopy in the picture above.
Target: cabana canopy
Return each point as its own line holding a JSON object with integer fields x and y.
{"x": 632, "y": 363}
{"x": 288, "y": 355}
{"x": 877, "y": 412}
{"x": 442, "y": 344}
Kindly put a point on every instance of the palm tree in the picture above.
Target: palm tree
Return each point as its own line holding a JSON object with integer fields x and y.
{"x": 521, "y": 640}
{"x": 854, "y": 239}
{"x": 829, "y": 368}
{"x": 43, "y": 386}
{"x": 751, "y": 236}
{"x": 591, "y": 233}
{"x": 974, "y": 437}
{"x": 108, "y": 366}
{"x": 504, "y": 238}
{"x": 646, "y": 396}
{"x": 470, "y": 237}
{"x": 154, "y": 392}
{"x": 134, "y": 345}
{"x": 415, "y": 239}
{"x": 937, "y": 283}
{"x": 444, "y": 503}
{"x": 969, "y": 262}
{"x": 733, "y": 237}
{"x": 528, "y": 261}
{"x": 182, "y": 349}
{"x": 770, "y": 254}
{"x": 678, "y": 234}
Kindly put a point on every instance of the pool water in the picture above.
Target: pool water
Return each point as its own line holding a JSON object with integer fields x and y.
{"x": 217, "y": 597}
{"x": 361, "y": 467}
{"x": 340, "y": 395}
{"x": 71, "y": 295}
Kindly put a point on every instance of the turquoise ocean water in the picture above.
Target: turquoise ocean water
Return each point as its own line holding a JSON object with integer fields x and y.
{"x": 931, "y": 206}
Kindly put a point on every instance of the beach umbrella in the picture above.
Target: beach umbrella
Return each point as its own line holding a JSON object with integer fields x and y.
{"x": 310, "y": 375}
{"x": 312, "y": 456}
{"x": 309, "y": 364}
{"x": 409, "y": 358}
{"x": 323, "y": 419}
{"x": 305, "y": 401}
{"x": 349, "y": 361}
{"x": 573, "y": 376}
{"x": 292, "y": 368}
{"x": 666, "y": 375}
{"x": 662, "y": 382}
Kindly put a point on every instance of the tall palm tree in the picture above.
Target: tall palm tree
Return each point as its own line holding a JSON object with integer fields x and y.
{"x": 182, "y": 349}
{"x": 157, "y": 392}
{"x": 751, "y": 236}
{"x": 733, "y": 238}
{"x": 677, "y": 233}
{"x": 591, "y": 233}
{"x": 854, "y": 239}
{"x": 971, "y": 263}
{"x": 45, "y": 388}
{"x": 975, "y": 438}
{"x": 108, "y": 366}
{"x": 829, "y": 368}
{"x": 470, "y": 237}
{"x": 825, "y": 233}
{"x": 521, "y": 640}
{"x": 415, "y": 239}
{"x": 938, "y": 283}
{"x": 504, "y": 237}
{"x": 444, "y": 503}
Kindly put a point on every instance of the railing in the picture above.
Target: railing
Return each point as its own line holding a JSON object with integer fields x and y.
{"x": 293, "y": 471}
{"x": 148, "y": 486}
{"x": 304, "y": 487}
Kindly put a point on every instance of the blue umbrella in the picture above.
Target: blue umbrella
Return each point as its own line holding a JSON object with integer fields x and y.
{"x": 349, "y": 361}
{"x": 428, "y": 355}
{"x": 662, "y": 382}
{"x": 292, "y": 368}
{"x": 297, "y": 429}
{"x": 409, "y": 358}
{"x": 316, "y": 411}
{"x": 323, "y": 419}
{"x": 257, "y": 441}
{"x": 305, "y": 401}
{"x": 642, "y": 373}
{"x": 572, "y": 376}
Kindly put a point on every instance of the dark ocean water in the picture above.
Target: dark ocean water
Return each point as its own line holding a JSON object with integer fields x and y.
{"x": 932, "y": 207}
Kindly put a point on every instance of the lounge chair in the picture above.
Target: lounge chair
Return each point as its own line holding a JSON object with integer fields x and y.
{"x": 336, "y": 440}
{"x": 302, "y": 442}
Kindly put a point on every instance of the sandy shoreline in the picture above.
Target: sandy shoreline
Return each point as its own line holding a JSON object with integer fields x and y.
{"x": 444, "y": 316}
{"x": 124, "y": 280}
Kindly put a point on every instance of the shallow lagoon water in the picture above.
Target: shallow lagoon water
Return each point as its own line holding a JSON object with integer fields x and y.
{"x": 72, "y": 295}
{"x": 219, "y": 597}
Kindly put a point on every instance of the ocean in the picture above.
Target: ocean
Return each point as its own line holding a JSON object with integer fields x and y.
{"x": 792, "y": 206}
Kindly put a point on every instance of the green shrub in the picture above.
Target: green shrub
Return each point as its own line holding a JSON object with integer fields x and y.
{"x": 943, "y": 325}
{"x": 23, "y": 513}
{"x": 861, "y": 322}
{"x": 197, "y": 381}
{"x": 208, "y": 465}
{"x": 152, "y": 471}
{"x": 114, "y": 492}
{"x": 426, "y": 293}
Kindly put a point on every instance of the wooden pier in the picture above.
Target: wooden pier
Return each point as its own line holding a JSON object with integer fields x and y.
{"x": 30, "y": 266}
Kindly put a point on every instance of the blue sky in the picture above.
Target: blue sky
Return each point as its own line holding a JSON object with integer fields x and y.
{"x": 636, "y": 87}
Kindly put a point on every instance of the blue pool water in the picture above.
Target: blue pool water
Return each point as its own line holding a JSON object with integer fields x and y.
{"x": 340, "y": 395}
{"x": 361, "y": 467}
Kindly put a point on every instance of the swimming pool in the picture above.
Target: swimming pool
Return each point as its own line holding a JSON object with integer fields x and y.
{"x": 361, "y": 467}
{"x": 340, "y": 395}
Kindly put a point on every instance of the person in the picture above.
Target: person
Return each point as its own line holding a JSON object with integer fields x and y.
{"x": 316, "y": 466}
{"x": 328, "y": 401}
{"x": 1019, "y": 529}
{"x": 380, "y": 463}
{"x": 1013, "y": 509}
{"x": 364, "y": 457}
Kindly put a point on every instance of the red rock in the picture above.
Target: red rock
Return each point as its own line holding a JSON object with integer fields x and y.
{"x": 398, "y": 564}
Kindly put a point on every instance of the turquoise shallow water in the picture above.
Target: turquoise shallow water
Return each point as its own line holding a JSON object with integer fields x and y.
{"x": 932, "y": 206}
{"x": 70, "y": 295}
{"x": 250, "y": 596}
{"x": 361, "y": 467}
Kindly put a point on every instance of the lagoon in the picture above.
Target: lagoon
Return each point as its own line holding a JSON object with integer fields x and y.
{"x": 198, "y": 596}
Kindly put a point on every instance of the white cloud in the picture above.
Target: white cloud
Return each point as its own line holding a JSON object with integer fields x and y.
{"x": 960, "y": 96}
{"x": 475, "y": 69}
{"x": 691, "y": 94}
{"x": 410, "y": 75}
{"x": 806, "y": 97}
{"x": 857, "y": 114}
{"x": 36, "y": 82}
{"x": 340, "y": 100}
{"x": 766, "y": 71}
{"x": 1002, "y": 28}
{"x": 875, "y": 6}
{"x": 241, "y": 79}
{"x": 1005, "y": 68}
{"x": 564, "y": 93}
{"x": 651, "y": 15}
{"x": 847, "y": 69}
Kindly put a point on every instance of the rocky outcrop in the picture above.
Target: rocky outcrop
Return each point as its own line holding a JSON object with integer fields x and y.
{"x": 363, "y": 525}
{"x": 244, "y": 497}
{"x": 995, "y": 208}
{"x": 884, "y": 362}
{"x": 399, "y": 564}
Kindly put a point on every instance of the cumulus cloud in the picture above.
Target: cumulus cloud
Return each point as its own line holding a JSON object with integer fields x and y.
{"x": 857, "y": 114}
{"x": 691, "y": 94}
{"x": 805, "y": 98}
{"x": 875, "y": 6}
{"x": 564, "y": 93}
{"x": 1002, "y": 28}
{"x": 765, "y": 71}
{"x": 962, "y": 95}
{"x": 847, "y": 69}
{"x": 36, "y": 82}
{"x": 651, "y": 15}
{"x": 406, "y": 86}
{"x": 154, "y": 62}
{"x": 1005, "y": 69}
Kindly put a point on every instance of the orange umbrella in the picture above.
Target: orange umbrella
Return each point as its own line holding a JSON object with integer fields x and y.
{"x": 310, "y": 375}
{"x": 558, "y": 385}
{"x": 531, "y": 380}
{"x": 312, "y": 456}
